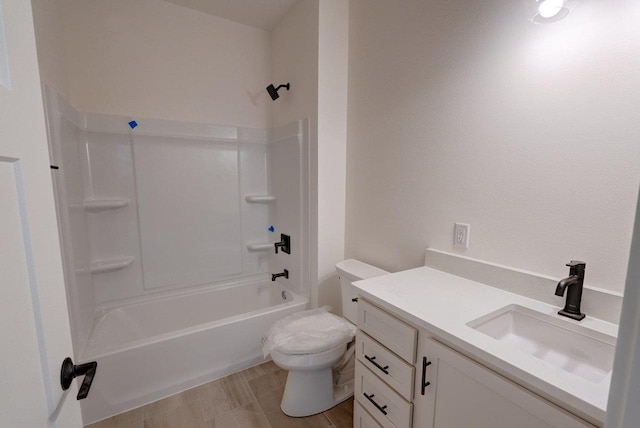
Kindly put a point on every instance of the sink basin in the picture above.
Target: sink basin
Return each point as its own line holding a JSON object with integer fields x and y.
{"x": 574, "y": 348}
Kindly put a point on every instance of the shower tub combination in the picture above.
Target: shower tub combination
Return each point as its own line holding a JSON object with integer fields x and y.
{"x": 167, "y": 232}
{"x": 151, "y": 349}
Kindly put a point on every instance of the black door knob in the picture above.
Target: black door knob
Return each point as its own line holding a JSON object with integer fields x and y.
{"x": 69, "y": 371}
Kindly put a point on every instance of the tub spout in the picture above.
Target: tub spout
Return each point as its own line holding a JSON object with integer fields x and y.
{"x": 278, "y": 275}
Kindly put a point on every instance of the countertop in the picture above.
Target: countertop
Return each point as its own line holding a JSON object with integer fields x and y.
{"x": 443, "y": 304}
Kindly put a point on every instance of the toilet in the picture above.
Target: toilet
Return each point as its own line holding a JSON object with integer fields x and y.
{"x": 317, "y": 348}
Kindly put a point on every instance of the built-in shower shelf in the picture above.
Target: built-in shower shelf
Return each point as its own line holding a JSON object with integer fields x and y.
{"x": 259, "y": 246}
{"x": 97, "y": 205}
{"x": 110, "y": 265}
{"x": 259, "y": 199}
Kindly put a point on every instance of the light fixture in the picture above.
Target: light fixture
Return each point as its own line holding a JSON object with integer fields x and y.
{"x": 552, "y": 10}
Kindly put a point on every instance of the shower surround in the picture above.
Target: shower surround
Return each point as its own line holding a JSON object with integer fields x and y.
{"x": 165, "y": 230}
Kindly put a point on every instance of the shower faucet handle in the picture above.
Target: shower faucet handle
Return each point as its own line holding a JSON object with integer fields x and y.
{"x": 284, "y": 244}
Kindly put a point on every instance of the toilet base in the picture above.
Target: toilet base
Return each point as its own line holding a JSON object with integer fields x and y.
{"x": 308, "y": 392}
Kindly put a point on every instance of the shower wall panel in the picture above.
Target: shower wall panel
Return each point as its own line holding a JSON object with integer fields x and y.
{"x": 155, "y": 207}
{"x": 186, "y": 222}
{"x": 114, "y": 233}
{"x": 288, "y": 161}
{"x": 67, "y": 153}
{"x": 189, "y": 210}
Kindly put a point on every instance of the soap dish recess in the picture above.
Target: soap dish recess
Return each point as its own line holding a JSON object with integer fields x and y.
{"x": 110, "y": 265}
{"x": 259, "y": 246}
{"x": 97, "y": 205}
{"x": 259, "y": 199}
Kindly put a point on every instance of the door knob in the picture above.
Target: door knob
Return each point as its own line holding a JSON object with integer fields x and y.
{"x": 69, "y": 371}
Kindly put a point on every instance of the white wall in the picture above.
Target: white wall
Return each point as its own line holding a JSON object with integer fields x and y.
{"x": 310, "y": 50}
{"x": 294, "y": 47}
{"x": 49, "y": 23}
{"x": 333, "y": 58}
{"x": 294, "y": 59}
{"x": 151, "y": 58}
{"x": 465, "y": 111}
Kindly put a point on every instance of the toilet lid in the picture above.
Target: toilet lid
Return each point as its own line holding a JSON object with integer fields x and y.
{"x": 309, "y": 332}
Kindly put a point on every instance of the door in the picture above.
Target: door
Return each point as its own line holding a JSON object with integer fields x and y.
{"x": 460, "y": 393}
{"x": 623, "y": 410}
{"x": 34, "y": 323}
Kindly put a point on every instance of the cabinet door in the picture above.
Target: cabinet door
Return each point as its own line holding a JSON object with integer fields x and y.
{"x": 472, "y": 396}
{"x": 362, "y": 419}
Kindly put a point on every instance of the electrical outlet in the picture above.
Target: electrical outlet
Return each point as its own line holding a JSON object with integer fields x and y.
{"x": 461, "y": 235}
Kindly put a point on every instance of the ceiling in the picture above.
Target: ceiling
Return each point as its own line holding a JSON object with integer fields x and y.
{"x": 263, "y": 14}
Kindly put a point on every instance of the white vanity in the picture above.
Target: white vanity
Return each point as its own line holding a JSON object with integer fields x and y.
{"x": 437, "y": 350}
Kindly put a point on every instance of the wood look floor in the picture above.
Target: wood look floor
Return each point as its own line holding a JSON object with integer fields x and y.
{"x": 249, "y": 399}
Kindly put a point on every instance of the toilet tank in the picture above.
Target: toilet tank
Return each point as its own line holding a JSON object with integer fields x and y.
{"x": 350, "y": 271}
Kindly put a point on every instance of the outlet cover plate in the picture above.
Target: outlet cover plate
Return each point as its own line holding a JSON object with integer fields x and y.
{"x": 461, "y": 235}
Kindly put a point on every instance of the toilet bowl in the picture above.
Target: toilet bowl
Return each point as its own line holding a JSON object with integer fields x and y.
{"x": 309, "y": 388}
{"x": 317, "y": 348}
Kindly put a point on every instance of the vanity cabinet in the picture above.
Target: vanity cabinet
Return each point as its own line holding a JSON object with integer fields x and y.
{"x": 385, "y": 370}
{"x": 472, "y": 396}
{"x": 400, "y": 370}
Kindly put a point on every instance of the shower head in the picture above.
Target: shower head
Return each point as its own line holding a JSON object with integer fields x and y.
{"x": 273, "y": 91}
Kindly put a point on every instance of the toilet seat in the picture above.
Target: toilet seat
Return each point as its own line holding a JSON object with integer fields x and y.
{"x": 309, "y": 333}
{"x": 319, "y": 360}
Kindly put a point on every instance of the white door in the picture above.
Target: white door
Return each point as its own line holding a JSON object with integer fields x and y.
{"x": 34, "y": 323}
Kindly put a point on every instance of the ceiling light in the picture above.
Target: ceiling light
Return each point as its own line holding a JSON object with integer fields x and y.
{"x": 549, "y": 8}
{"x": 551, "y": 11}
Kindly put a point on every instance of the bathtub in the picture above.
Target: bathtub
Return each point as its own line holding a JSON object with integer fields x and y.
{"x": 149, "y": 349}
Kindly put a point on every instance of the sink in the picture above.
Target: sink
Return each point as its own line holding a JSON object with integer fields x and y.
{"x": 571, "y": 347}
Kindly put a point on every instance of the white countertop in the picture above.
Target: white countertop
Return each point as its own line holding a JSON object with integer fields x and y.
{"x": 443, "y": 304}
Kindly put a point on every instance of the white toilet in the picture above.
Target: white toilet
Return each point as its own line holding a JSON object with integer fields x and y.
{"x": 317, "y": 349}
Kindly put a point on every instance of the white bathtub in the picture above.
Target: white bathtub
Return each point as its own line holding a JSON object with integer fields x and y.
{"x": 151, "y": 349}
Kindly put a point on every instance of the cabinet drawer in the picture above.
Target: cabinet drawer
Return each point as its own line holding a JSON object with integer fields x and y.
{"x": 362, "y": 419}
{"x": 385, "y": 364}
{"x": 383, "y": 403}
{"x": 396, "y": 335}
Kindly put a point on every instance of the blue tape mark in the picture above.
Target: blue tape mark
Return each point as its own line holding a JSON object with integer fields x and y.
{"x": 133, "y": 124}
{"x": 272, "y": 229}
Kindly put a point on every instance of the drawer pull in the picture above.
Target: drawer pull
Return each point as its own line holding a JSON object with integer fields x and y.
{"x": 425, "y": 364}
{"x": 372, "y": 361}
{"x": 379, "y": 407}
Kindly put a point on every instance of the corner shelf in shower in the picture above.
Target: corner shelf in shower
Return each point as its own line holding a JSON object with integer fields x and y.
{"x": 97, "y": 205}
{"x": 259, "y": 246}
{"x": 110, "y": 265}
{"x": 259, "y": 199}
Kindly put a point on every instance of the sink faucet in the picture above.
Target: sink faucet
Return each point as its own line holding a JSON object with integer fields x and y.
{"x": 574, "y": 282}
{"x": 278, "y": 275}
